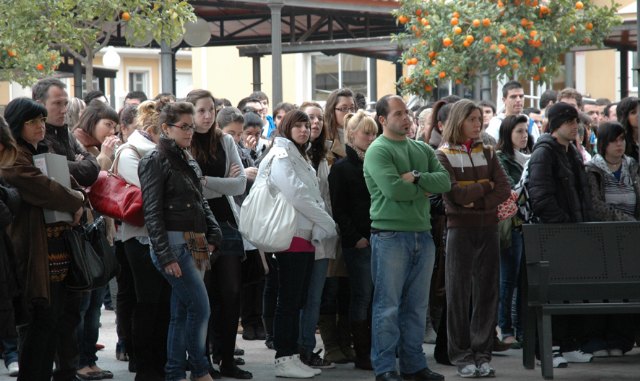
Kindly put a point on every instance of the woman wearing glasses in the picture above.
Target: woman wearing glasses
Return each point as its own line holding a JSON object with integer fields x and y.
{"x": 41, "y": 254}
{"x": 339, "y": 103}
{"x": 183, "y": 234}
{"x": 224, "y": 177}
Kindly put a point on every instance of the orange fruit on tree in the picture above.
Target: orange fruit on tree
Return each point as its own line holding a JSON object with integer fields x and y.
{"x": 40, "y": 67}
{"x": 456, "y": 14}
{"x": 579, "y": 5}
{"x": 589, "y": 26}
{"x": 466, "y": 43}
{"x": 457, "y": 30}
{"x": 536, "y": 77}
{"x": 524, "y": 22}
{"x": 433, "y": 55}
{"x": 458, "y": 81}
{"x": 428, "y": 88}
{"x": 442, "y": 74}
{"x": 544, "y": 10}
{"x": 427, "y": 72}
{"x": 469, "y": 38}
{"x": 475, "y": 23}
{"x": 542, "y": 70}
{"x": 434, "y": 63}
{"x": 125, "y": 16}
{"x": 486, "y": 22}
{"x": 503, "y": 32}
{"x": 418, "y": 12}
{"x": 11, "y": 53}
{"x": 402, "y": 19}
{"x": 535, "y": 60}
{"x": 487, "y": 39}
{"x": 447, "y": 42}
{"x": 454, "y": 21}
{"x": 515, "y": 65}
{"x": 424, "y": 21}
{"x": 572, "y": 29}
{"x": 500, "y": 4}
{"x": 408, "y": 80}
{"x": 533, "y": 33}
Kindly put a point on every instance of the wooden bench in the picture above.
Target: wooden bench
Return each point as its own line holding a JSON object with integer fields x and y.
{"x": 574, "y": 269}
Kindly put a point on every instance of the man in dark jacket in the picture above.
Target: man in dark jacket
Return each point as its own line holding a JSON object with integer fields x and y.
{"x": 557, "y": 180}
{"x": 558, "y": 194}
{"x": 82, "y": 165}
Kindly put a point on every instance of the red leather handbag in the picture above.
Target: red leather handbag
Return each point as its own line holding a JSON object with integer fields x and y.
{"x": 112, "y": 196}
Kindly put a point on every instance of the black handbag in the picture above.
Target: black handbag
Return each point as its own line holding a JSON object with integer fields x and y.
{"x": 93, "y": 262}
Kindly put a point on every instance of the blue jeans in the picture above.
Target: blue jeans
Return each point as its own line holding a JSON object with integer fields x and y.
{"x": 294, "y": 271}
{"x": 88, "y": 329}
{"x": 401, "y": 267}
{"x": 311, "y": 310}
{"x": 358, "y": 263}
{"x": 509, "y": 270}
{"x": 189, "y": 318}
{"x": 10, "y": 353}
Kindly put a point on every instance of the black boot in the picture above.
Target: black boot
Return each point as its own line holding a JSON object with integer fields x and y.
{"x": 362, "y": 344}
{"x": 268, "y": 331}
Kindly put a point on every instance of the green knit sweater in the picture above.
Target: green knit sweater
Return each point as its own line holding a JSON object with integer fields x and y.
{"x": 398, "y": 205}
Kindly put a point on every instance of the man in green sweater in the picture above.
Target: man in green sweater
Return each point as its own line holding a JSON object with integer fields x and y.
{"x": 400, "y": 174}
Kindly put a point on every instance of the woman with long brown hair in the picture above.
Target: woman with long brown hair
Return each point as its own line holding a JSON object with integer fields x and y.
{"x": 223, "y": 177}
{"x": 339, "y": 103}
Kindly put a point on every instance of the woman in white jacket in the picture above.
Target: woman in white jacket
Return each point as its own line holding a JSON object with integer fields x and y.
{"x": 292, "y": 174}
{"x": 224, "y": 177}
{"x": 153, "y": 292}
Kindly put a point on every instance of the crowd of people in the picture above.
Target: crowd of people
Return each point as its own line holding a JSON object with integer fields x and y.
{"x": 399, "y": 237}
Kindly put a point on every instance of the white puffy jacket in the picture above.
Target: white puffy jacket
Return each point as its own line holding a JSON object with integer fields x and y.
{"x": 296, "y": 179}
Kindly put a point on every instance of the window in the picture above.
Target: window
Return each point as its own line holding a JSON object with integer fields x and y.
{"x": 633, "y": 75}
{"x": 332, "y": 72}
{"x": 96, "y": 84}
{"x": 139, "y": 81}
{"x": 184, "y": 84}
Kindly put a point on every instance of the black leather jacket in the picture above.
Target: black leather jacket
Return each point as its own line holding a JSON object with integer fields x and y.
{"x": 172, "y": 198}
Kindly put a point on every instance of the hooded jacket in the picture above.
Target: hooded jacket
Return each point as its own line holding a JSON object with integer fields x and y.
{"x": 296, "y": 179}
{"x": 601, "y": 210}
{"x": 558, "y": 189}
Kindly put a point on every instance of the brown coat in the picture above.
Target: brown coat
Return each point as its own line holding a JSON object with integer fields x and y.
{"x": 27, "y": 232}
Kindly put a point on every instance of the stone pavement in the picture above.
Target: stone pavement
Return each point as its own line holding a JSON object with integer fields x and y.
{"x": 508, "y": 364}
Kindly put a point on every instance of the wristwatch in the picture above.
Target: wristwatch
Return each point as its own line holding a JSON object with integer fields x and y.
{"x": 416, "y": 176}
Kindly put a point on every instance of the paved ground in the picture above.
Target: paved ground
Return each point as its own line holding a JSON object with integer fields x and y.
{"x": 508, "y": 364}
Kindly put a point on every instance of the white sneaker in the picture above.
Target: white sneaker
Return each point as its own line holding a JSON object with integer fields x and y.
{"x": 14, "y": 369}
{"x": 616, "y": 352}
{"x": 287, "y": 367}
{"x": 430, "y": 335}
{"x": 558, "y": 360}
{"x": 468, "y": 371}
{"x": 306, "y": 367}
{"x": 601, "y": 353}
{"x": 577, "y": 356}
{"x": 486, "y": 370}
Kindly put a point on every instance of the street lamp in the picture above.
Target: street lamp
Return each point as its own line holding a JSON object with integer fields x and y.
{"x": 111, "y": 58}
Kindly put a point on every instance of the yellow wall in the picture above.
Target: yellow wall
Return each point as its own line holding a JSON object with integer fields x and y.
{"x": 4, "y": 93}
{"x": 386, "y": 78}
{"x": 601, "y": 83}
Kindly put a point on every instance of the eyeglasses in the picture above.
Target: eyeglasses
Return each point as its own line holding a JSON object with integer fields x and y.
{"x": 346, "y": 109}
{"x": 184, "y": 127}
{"x": 38, "y": 120}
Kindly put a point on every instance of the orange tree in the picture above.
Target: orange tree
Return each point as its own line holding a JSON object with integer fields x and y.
{"x": 34, "y": 33}
{"x": 457, "y": 40}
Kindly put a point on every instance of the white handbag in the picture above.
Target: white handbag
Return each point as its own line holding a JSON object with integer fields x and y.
{"x": 267, "y": 219}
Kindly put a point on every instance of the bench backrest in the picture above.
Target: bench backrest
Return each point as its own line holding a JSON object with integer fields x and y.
{"x": 593, "y": 261}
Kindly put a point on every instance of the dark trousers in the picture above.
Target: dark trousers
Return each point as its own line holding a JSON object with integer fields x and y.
{"x": 151, "y": 314}
{"x": 125, "y": 302}
{"x": 294, "y": 272}
{"x": 89, "y": 327}
{"x": 50, "y": 334}
{"x": 472, "y": 273}
{"x": 251, "y": 313}
{"x": 224, "y": 284}
{"x": 270, "y": 294}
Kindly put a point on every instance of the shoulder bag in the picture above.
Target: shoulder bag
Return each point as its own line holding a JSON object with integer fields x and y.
{"x": 112, "y": 196}
{"x": 93, "y": 262}
{"x": 267, "y": 219}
